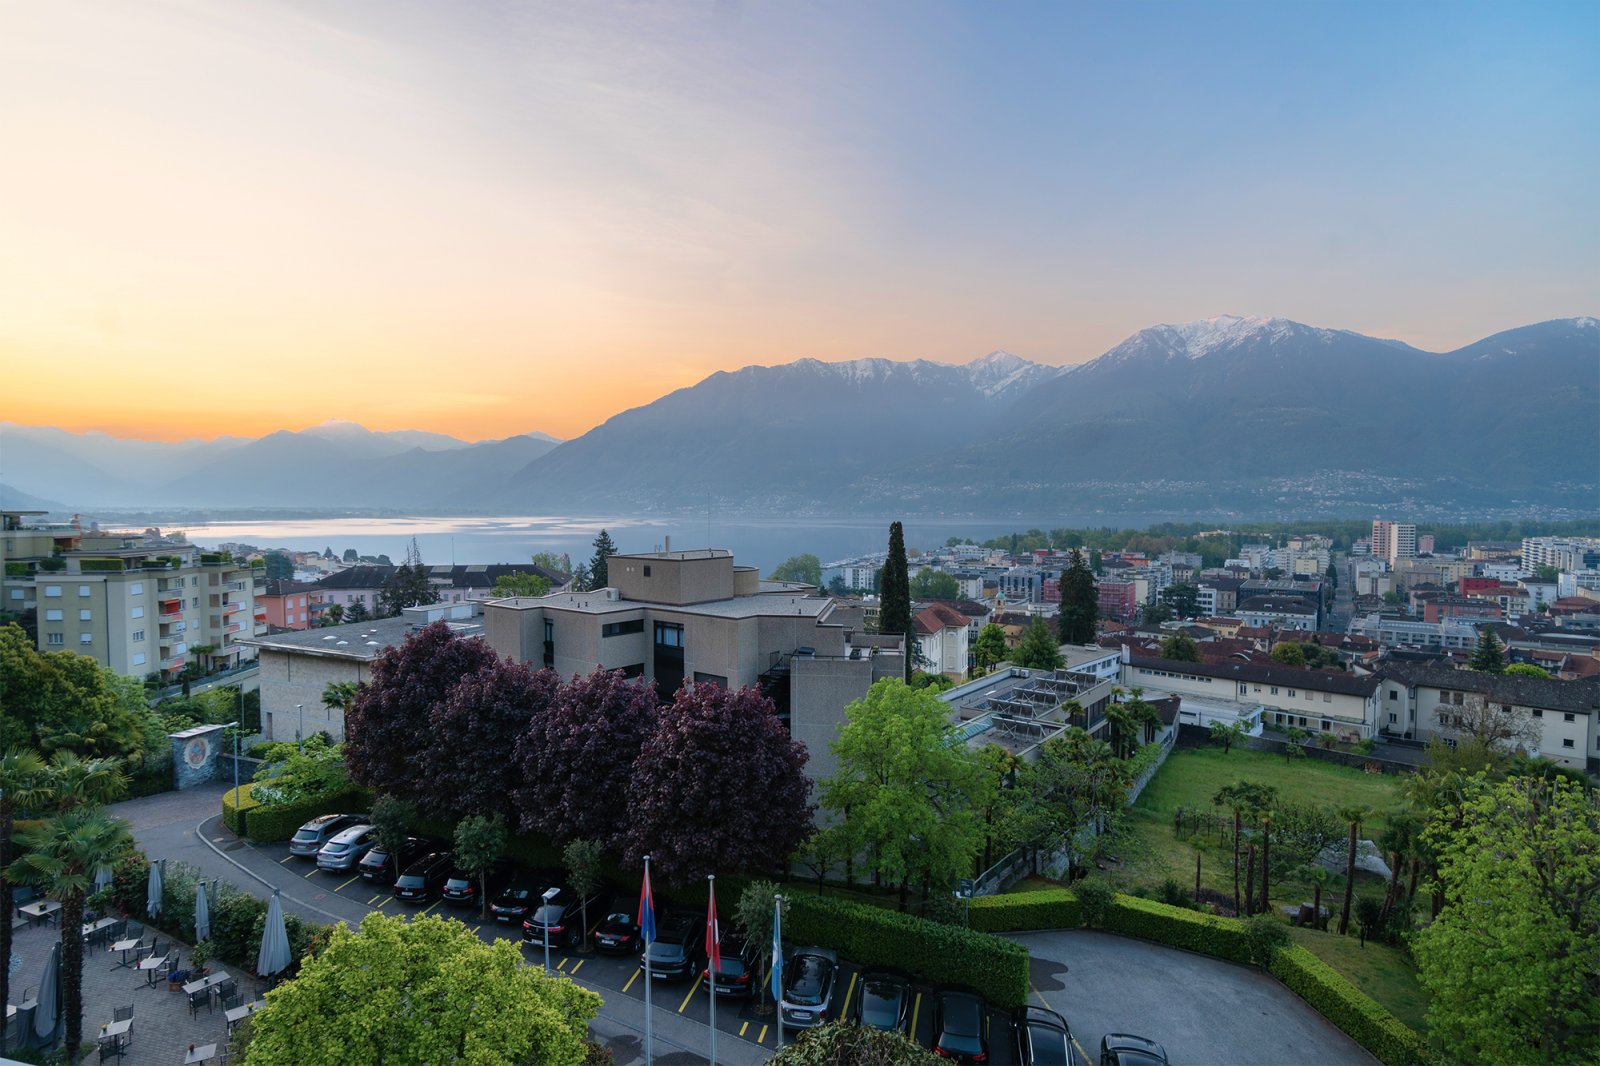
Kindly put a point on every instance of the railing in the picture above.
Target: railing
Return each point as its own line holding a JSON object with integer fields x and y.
{"x": 232, "y": 608}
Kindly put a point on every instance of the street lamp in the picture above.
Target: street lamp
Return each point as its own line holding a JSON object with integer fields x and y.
{"x": 235, "y": 726}
{"x": 549, "y": 894}
{"x": 300, "y": 730}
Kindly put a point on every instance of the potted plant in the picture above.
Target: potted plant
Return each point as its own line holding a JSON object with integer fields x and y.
{"x": 200, "y": 956}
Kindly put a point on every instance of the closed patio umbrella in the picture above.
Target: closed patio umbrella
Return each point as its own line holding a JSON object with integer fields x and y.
{"x": 48, "y": 1014}
{"x": 274, "y": 956}
{"x": 102, "y": 879}
{"x": 202, "y": 913}
{"x": 152, "y": 901}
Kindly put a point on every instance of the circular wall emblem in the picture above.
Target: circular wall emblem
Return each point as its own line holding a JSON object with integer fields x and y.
{"x": 196, "y": 751}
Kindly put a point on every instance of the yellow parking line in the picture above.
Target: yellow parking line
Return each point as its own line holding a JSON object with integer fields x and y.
{"x": 429, "y": 907}
{"x": 631, "y": 980}
{"x": 578, "y": 967}
{"x": 475, "y": 929}
{"x": 285, "y": 859}
{"x": 916, "y": 1012}
{"x": 562, "y": 965}
{"x": 311, "y": 871}
{"x": 844, "y": 1011}
{"x": 762, "y": 1039}
{"x": 691, "y": 993}
{"x": 348, "y": 883}
{"x": 1046, "y": 1003}
{"x": 743, "y": 1027}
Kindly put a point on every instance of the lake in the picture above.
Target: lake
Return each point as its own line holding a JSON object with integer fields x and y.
{"x": 763, "y": 543}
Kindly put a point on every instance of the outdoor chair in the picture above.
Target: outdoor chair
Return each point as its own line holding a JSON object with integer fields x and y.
{"x": 135, "y": 929}
{"x": 228, "y": 987}
{"x": 155, "y": 946}
{"x": 122, "y": 1014}
{"x": 117, "y": 930}
{"x": 198, "y": 999}
{"x": 230, "y": 1000}
{"x": 110, "y": 1046}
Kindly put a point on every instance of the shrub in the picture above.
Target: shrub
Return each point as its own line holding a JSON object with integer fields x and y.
{"x": 235, "y": 927}
{"x": 1346, "y": 1006}
{"x": 1173, "y": 894}
{"x": 234, "y": 815}
{"x": 1096, "y": 897}
{"x": 130, "y": 883}
{"x": 279, "y": 822}
{"x": 939, "y": 954}
{"x": 90, "y": 565}
{"x": 1178, "y": 927}
{"x": 839, "y": 1043}
{"x": 1264, "y": 935}
{"x": 1054, "y": 908}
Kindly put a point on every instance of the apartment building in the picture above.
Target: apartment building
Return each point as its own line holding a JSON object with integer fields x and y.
{"x": 1394, "y": 540}
{"x": 676, "y": 616}
{"x": 464, "y": 583}
{"x": 287, "y": 604}
{"x": 1340, "y": 704}
{"x": 1402, "y": 631}
{"x": 1271, "y": 612}
{"x": 1563, "y": 553}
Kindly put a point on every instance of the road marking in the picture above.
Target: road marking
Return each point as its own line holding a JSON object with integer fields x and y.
{"x": 578, "y": 967}
{"x": 631, "y": 980}
{"x": 311, "y": 871}
{"x": 844, "y": 1011}
{"x": 762, "y": 1039}
{"x": 475, "y": 929}
{"x": 285, "y": 859}
{"x": 916, "y": 1012}
{"x": 743, "y": 1027}
{"x": 429, "y": 907}
{"x": 1046, "y": 1003}
{"x": 218, "y": 840}
{"x": 562, "y": 965}
{"x": 692, "y": 989}
{"x": 348, "y": 883}
{"x": 374, "y": 899}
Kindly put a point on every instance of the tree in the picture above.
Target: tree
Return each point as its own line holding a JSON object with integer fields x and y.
{"x": 408, "y": 586}
{"x": 1226, "y": 734}
{"x": 63, "y": 701}
{"x": 356, "y": 612}
{"x": 584, "y": 860}
{"x": 424, "y": 990}
{"x": 60, "y": 857}
{"x": 22, "y": 787}
{"x": 480, "y": 840}
{"x": 1526, "y": 670}
{"x": 1073, "y": 785}
{"x": 806, "y": 569}
{"x": 990, "y": 647}
{"x": 753, "y": 915}
{"x": 1492, "y": 725}
{"x": 467, "y": 756}
{"x": 1546, "y": 573}
{"x": 1331, "y": 575}
{"x": 719, "y": 787}
{"x": 1183, "y": 598}
{"x": 1038, "y": 649}
{"x": 339, "y": 695}
{"x": 1080, "y": 602}
{"x": 1289, "y": 654}
{"x": 1319, "y": 877}
{"x": 837, "y": 587}
{"x": 576, "y": 757}
{"x": 906, "y": 790}
{"x": 1513, "y": 958}
{"x": 553, "y": 563}
{"x": 1180, "y": 647}
{"x": 333, "y": 616}
{"x": 388, "y": 725}
{"x": 931, "y": 584}
{"x": 391, "y": 821}
{"x": 520, "y": 583}
{"x": 1295, "y": 748}
{"x": 1490, "y": 654}
{"x": 841, "y": 1043}
{"x": 600, "y": 565}
{"x": 894, "y": 608}
{"x": 1246, "y": 799}
{"x": 350, "y": 555}
{"x": 278, "y": 566}
{"x": 1154, "y": 614}
{"x": 581, "y": 578}
{"x": 1354, "y": 816}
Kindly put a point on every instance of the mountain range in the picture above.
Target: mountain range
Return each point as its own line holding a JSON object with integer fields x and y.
{"x": 1254, "y": 416}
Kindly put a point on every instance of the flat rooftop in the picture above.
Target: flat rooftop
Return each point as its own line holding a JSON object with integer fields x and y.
{"x": 765, "y": 605}
{"x": 354, "y": 640}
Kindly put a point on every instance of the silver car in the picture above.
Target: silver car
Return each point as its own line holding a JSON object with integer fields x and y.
{"x": 346, "y": 849}
{"x": 317, "y": 832}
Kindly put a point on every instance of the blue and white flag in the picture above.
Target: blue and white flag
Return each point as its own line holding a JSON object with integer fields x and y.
{"x": 777, "y": 950}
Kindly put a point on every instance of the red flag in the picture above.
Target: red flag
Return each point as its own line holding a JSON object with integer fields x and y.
{"x": 713, "y": 934}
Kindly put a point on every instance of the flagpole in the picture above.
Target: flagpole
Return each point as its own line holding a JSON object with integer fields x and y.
{"x": 649, "y": 1043}
{"x": 712, "y": 960}
{"x": 777, "y": 950}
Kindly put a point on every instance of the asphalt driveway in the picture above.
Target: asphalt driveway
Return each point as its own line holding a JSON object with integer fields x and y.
{"x": 1205, "y": 1011}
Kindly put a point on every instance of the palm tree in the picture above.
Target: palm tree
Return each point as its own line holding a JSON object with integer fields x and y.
{"x": 74, "y": 781}
{"x": 1232, "y": 797}
{"x": 1397, "y": 841}
{"x": 1318, "y": 875}
{"x": 339, "y": 695}
{"x": 22, "y": 787}
{"x": 1355, "y": 816}
{"x": 1266, "y": 855}
{"x": 60, "y": 857}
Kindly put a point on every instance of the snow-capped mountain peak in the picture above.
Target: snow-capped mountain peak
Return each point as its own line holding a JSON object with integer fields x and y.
{"x": 1195, "y": 340}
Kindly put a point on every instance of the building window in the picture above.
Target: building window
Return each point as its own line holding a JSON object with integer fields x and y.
{"x": 618, "y": 629}
{"x": 137, "y": 612}
{"x": 138, "y": 635}
{"x": 195, "y": 602}
{"x": 85, "y": 615}
{"x": 55, "y": 638}
{"x": 1391, "y": 718}
{"x": 136, "y": 589}
{"x": 85, "y": 638}
{"x": 1566, "y": 742}
{"x": 669, "y": 634}
{"x": 83, "y": 590}
{"x": 636, "y": 670}
{"x": 16, "y": 594}
{"x": 647, "y": 570}
{"x": 52, "y": 590}
{"x": 1291, "y": 694}
{"x": 1537, "y": 713}
{"x": 710, "y": 679}
{"x": 52, "y": 616}
{"x": 1569, "y": 718}
{"x": 1274, "y": 690}
{"x": 1243, "y": 688}
{"x": 138, "y": 658}
{"x": 1326, "y": 725}
{"x": 1327, "y": 697}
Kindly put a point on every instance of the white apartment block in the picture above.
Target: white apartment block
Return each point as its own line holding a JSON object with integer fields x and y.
{"x": 1394, "y": 540}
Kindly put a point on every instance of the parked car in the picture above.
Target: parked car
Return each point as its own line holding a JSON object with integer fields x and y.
{"x": 1125, "y": 1049}
{"x": 519, "y": 898}
{"x": 1042, "y": 1037}
{"x": 736, "y": 975}
{"x": 958, "y": 1026}
{"x": 679, "y": 946}
{"x": 561, "y": 919}
{"x": 884, "y": 1002}
{"x": 461, "y": 887}
{"x": 346, "y": 848}
{"x": 618, "y": 934}
{"x": 309, "y": 838}
{"x": 379, "y": 866}
{"x": 424, "y": 878}
{"x": 809, "y": 976}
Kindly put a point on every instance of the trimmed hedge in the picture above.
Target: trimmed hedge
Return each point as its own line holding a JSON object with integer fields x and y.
{"x": 1054, "y": 908}
{"x": 233, "y": 816}
{"x": 279, "y": 822}
{"x": 1349, "y": 1008}
{"x": 940, "y": 954}
{"x": 87, "y": 565}
{"x": 1179, "y": 927}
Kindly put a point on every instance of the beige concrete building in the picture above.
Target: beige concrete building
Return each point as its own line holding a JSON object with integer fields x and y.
{"x": 1322, "y": 702}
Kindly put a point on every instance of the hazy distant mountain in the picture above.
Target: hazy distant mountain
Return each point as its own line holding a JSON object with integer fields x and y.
{"x": 12, "y": 500}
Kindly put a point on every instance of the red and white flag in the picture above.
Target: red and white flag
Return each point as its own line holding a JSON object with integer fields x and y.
{"x": 713, "y": 934}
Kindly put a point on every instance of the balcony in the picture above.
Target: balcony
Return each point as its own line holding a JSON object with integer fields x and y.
{"x": 262, "y": 629}
{"x": 176, "y": 662}
{"x": 232, "y": 608}
{"x": 233, "y": 627}
{"x": 237, "y": 586}
{"x": 172, "y": 629}
{"x": 171, "y": 609}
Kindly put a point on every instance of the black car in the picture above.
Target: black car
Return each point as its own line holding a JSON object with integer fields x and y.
{"x": 561, "y": 919}
{"x": 378, "y": 866}
{"x": 519, "y": 899}
{"x": 809, "y": 976}
{"x": 461, "y": 888}
{"x": 1125, "y": 1049}
{"x": 424, "y": 878}
{"x": 618, "y": 934}
{"x": 1042, "y": 1037}
{"x": 884, "y": 1002}
{"x": 678, "y": 947}
{"x": 735, "y": 976}
{"x": 958, "y": 1027}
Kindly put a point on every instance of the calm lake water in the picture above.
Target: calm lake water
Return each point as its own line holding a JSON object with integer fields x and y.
{"x": 757, "y": 542}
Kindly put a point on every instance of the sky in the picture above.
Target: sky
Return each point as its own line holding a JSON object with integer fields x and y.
{"x": 484, "y": 218}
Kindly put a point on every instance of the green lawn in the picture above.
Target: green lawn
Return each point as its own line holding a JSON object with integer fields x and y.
{"x": 1382, "y": 972}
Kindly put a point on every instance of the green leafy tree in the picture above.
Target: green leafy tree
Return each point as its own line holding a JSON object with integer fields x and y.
{"x": 581, "y": 578}
{"x": 584, "y": 861}
{"x": 894, "y": 609}
{"x": 1180, "y": 647}
{"x": 1513, "y": 958}
{"x": 279, "y": 566}
{"x": 600, "y": 565}
{"x": 425, "y": 990}
{"x": 1546, "y": 573}
{"x": 392, "y": 819}
{"x": 906, "y": 791}
{"x": 339, "y": 695}
{"x": 408, "y": 586}
{"x": 806, "y": 569}
{"x": 1226, "y": 735}
{"x": 63, "y": 701}
{"x": 1080, "y": 602}
{"x": 841, "y": 1043}
{"x": 1352, "y": 816}
{"x": 1295, "y": 748}
{"x": 480, "y": 841}
{"x": 520, "y": 583}
{"x": 837, "y": 587}
{"x": 1289, "y": 653}
{"x": 753, "y": 915}
{"x": 1183, "y": 598}
{"x": 351, "y": 555}
{"x": 1525, "y": 670}
{"x": 931, "y": 584}
{"x": 333, "y": 616}
{"x": 1154, "y": 614}
{"x": 1490, "y": 654}
{"x": 555, "y": 564}
{"x": 60, "y": 857}
{"x": 990, "y": 647}
{"x": 23, "y": 786}
{"x": 296, "y": 772}
{"x": 1038, "y": 650}
{"x": 1075, "y": 784}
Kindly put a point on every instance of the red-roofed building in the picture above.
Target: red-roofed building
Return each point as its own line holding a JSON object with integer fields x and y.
{"x": 942, "y": 637}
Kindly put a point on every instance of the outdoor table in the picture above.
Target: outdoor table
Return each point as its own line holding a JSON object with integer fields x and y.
{"x": 204, "y": 983}
{"x": 235, "y": 1015}
{"x": 91, "y": 929}
{"x": 151, "y": 965}
{"x": 116, "y": 1029}
{"x": 203, "y": 1053}
{"x": 126, "y": 946}
{"x": 40, "y": 912}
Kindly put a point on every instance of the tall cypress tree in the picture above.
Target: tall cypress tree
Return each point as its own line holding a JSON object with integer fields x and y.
{"x": 1080, "y": 603}
{"x": 599, "y": 566}
{"x": 894, "y": 610}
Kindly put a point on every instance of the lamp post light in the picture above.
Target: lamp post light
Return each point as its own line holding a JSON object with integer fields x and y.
{"x": 236, "y": 727}
{"x": 300, "y": 730}
{"x": 549, "y": 894}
